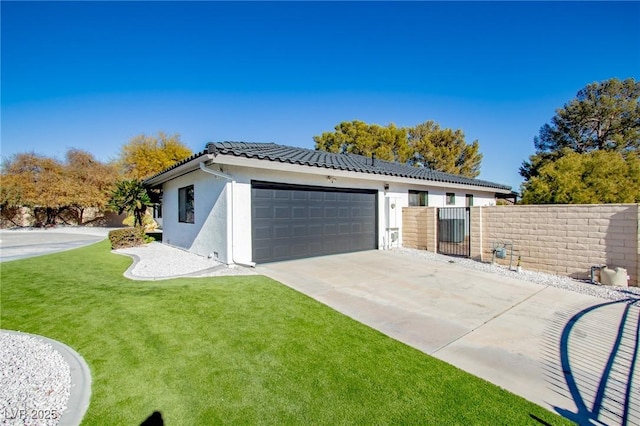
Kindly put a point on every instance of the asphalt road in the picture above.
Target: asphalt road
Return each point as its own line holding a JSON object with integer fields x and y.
{"x": 16, "y": 245}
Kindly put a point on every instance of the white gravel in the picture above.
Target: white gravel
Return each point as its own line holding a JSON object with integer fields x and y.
{"x": 160, "y": 261}
{"x": 604, "y": 292}
{"x": 35, "y": 381}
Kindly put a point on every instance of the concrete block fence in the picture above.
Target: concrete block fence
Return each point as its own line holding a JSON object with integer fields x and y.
{"x": 560, "y": 239}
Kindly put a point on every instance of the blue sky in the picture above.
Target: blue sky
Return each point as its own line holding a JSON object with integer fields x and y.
{"x": 91, "y": 75}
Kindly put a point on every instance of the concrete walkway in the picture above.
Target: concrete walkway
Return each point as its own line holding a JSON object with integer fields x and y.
{"x": 573, "y": 354}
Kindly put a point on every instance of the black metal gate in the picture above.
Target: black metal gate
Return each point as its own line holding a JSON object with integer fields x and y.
{"x": 454, "y": 231}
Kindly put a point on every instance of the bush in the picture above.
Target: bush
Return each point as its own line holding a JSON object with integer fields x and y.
{"x": 128, "y": 237}
{"x": 147, "y": 221}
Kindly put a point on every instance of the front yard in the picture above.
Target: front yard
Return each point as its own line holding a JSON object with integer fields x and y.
{"x": 235, "y": 350}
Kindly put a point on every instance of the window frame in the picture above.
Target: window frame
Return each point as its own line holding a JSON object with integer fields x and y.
{"x": 423, "y": 196}
{"x": 450, "y": 199}
{"x": 186, "y": 204}
{"x": 469, "y": 200}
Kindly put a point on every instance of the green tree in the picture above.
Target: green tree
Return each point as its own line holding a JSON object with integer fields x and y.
{"x": 603, "y": 116}
{"x": 594, "y": 177}
{"x": 425, "y": 145}
{"x": 357, "y": 137}
{"x": 444, "y": 149}
{"x": 130, "y": 196}
{"x": 144, "y": 156}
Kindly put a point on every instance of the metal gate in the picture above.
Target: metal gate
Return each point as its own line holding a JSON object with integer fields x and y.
{"x": 454, "y": 231}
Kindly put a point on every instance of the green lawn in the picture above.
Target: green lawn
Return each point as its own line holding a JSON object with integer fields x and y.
{"x": 235, "y": 350}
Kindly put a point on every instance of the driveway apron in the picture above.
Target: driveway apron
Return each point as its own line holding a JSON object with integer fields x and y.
{"x": 570, "y": 353}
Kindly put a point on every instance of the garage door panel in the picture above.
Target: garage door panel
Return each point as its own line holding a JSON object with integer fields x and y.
{"x": 344, "y": 228}
{"x": 299, "y": 231}
{"x": 330, "y": 229}
{"x": 316, "y": 212}
{"x": 330, "y": 196}
{"x": 263, "y": 212}
{"x": 282, "y": 212}
{"x": 300, "y": 195}
{"x": 282, "y": 231}
{"x": 315, "y": 230}
{"x": 281, "y": 195}
{"x": 330, "y": 212}
{"x": 293, "y": 222}
{"x": 262, "y": 232}
{"x": 299, "y": 212}
{"x": 281, "y": 250}
{"x": 264, "y": 194}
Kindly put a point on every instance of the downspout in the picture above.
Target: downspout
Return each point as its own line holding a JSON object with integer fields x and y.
{"x": 232, "y": 181}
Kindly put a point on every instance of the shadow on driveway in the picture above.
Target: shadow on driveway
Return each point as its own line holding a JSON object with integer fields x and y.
{"x": 598, "y": 363}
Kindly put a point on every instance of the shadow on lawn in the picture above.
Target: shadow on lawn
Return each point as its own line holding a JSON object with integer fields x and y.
{"x": 155, "y": 419}
{"x": 598, "y": 358}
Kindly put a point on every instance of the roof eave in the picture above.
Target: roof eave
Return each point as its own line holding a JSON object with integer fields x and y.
{"x": 180, "y": 169}
{"x": 243, "y": 161}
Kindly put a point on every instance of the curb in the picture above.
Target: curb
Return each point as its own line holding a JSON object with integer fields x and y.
{"x": 80, "y": 392}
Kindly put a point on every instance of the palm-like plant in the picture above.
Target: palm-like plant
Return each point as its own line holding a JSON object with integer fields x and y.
{"x": 130, "y": 196}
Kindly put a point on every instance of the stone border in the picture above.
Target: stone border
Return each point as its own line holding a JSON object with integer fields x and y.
{"x": 80, "y": 392}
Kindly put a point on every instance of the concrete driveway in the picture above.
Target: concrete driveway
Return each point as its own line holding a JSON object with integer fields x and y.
{"x": 21, "y": 244}
{"x": 573, "y": 354}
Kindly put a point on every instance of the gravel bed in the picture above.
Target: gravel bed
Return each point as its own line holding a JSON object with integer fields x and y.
{"x": 35, "y": 381}
{"x": 158, "y": 261}
{"x": 566, "y": 283}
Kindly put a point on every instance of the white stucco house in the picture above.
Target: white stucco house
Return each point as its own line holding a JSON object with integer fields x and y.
{"x": 246, "y": 203}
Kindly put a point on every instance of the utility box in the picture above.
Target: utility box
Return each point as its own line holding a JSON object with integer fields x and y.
{"x": 617, "y": 276}
{"x": 393, "y": 212}
{"x": 393, "y": 219}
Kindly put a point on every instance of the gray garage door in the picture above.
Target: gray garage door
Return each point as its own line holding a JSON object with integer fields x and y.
{"x": 292, "y": 222}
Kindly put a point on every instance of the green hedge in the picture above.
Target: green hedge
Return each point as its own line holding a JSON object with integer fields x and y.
{"x": 127, "y": 237}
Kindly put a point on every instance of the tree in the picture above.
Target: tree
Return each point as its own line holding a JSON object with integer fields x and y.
{"x": 425, "y": 145}
{"x": 34, "y": 181}
{"x": 88, "y": 182}
{"x": 130, "y": 196}
{"x": 603, "y": 116}
{"x": 597, "y": 129}
{"x": 49, "y": 186}
{"x": 444, "y": 149}
{"x": 594, "y": 177}
{"x": 144, "y": 156}
{"x": 357, "y": 137}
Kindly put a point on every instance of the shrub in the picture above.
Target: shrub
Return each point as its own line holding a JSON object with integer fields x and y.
{"x": 127, "y": 237}
{"x": 147, "y": 221}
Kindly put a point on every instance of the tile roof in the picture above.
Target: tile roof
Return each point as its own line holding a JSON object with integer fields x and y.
{"x": 348, "y": 162}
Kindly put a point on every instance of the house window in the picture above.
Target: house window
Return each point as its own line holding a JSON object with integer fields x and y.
{"x": 185, "y": 204}
{"x": 418, "y": 198}
{"x": 469, "y": 200}
{"x": 451, "y": 199}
